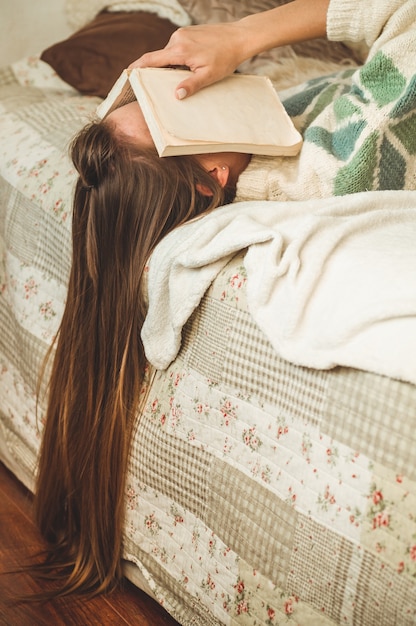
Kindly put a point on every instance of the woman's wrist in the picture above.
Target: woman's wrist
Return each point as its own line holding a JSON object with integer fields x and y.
{"x": 290, "y": 23}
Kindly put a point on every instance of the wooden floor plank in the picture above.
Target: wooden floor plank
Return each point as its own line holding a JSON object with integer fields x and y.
{"x": 19, "y": 542}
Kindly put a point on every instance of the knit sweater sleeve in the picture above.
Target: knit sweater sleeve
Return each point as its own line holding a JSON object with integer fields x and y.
{"x": 359, "y": 125}
{"x": 359, "y": 20}
{"x": 260, "y": 180}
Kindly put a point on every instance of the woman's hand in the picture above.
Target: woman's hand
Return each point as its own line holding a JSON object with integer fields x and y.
{"x": 210, "y": 51}
{"x": 213, "y": 51}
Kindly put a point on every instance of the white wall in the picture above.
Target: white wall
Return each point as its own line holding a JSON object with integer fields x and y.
{"x": 29, "y": 26}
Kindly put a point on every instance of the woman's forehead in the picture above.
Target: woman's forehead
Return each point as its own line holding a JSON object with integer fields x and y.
{"x": 129, "y": 120}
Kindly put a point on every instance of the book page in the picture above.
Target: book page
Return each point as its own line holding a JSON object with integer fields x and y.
{"x": 125, "y": 97}
{"x": 121, "y": 93}
{"x": 238, "y": 109}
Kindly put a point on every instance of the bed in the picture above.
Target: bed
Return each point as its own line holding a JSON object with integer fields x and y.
{"x": 258, "y": 491}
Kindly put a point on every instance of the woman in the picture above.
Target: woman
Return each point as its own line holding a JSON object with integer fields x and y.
{"x": 118, "y": 219}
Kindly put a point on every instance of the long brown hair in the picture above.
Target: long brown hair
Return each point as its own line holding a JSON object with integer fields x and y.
{"x": 125, "y": 201}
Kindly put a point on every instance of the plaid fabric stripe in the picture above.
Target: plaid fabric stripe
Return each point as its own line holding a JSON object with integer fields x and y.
{"x": 14, "y": 98}
{"x": 56, "y": 118}
{"x": 22, "y": 349}
{"x": 5, "y": 194}
{"x": 251, "y": 520}
{"x": 206, "y": 338}
{"x": 225, "y": 345}
{"x": 384, "y": 597}
{"x": 35, "y": 236}
{"x": 374, "y": 415}
{"x": 26, "y": 226}
{"x": 319, "y": 568}
{"x": 171, "y": 466}
{"x": 53, "y": 254}
{"x": 22, "y": 450}
{"x": 252, "y": 366}
{"x": 348, "y": 584}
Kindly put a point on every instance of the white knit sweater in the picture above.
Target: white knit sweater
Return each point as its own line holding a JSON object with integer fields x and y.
{"x": 359, "y": 125}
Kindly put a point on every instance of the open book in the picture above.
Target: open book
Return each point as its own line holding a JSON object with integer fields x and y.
{"x": 241, "y": 113}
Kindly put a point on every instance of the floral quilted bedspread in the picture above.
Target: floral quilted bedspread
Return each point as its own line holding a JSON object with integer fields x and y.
{"x": 267, "y": 493}
{"x": 258, "y": 492}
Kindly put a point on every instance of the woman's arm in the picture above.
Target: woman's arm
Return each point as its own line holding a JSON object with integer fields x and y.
{"x": 213, "y": 51}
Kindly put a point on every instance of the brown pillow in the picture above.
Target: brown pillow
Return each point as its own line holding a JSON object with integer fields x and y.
{"x": 93, "y": 58}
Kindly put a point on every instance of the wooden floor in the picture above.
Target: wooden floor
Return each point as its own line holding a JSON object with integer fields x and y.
{"x": 19, "y": 541}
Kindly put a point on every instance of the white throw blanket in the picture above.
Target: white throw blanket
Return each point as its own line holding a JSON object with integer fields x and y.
{"x": 330, "y": 282}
